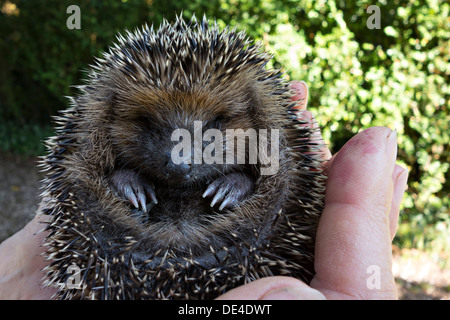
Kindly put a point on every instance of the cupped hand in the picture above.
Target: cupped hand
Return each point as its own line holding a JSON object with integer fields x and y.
{"x": 22, "y": 263}
{"x": 353, "y": 255}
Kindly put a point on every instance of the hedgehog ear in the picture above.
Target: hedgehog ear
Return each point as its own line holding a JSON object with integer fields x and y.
{"x": 300, "y": 89}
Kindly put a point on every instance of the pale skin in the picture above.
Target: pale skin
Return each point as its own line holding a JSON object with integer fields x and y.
{"x": 364, "y": 191}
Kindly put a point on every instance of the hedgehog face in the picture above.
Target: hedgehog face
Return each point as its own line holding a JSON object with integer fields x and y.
{"x": 181, "y": 140}
{"x": 177, "y": 199}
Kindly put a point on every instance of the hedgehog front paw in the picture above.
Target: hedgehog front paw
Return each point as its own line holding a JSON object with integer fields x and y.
{"x": 129, "y": 186}
{"x": 229, "y": 190}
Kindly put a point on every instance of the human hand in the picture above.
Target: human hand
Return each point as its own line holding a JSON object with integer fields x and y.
{"x": 353, "y": 244}
{"x": 21, "y": 264}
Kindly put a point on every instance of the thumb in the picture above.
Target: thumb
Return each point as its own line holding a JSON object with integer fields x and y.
{"x": 354, "y": 237}
{"x": 273, "y": 288}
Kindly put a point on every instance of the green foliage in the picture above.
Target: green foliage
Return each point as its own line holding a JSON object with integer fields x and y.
{"x": 26, "y": 140}
{"x": 396, "y": 76}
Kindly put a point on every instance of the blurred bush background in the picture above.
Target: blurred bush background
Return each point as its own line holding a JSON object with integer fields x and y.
{"x": 395, "y": 76}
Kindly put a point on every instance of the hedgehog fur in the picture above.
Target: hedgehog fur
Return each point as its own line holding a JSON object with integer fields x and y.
{"x": 176, "y": 74}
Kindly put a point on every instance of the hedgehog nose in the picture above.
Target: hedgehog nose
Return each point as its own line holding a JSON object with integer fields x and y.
{"x": 180, "y": 170}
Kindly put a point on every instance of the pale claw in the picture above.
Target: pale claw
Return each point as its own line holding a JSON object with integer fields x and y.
{"x": 229, "y": 190}
{"x": 129, "y": 186}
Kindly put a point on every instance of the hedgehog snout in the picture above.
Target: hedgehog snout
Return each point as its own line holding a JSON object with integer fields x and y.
{"x": 178, "y": 171}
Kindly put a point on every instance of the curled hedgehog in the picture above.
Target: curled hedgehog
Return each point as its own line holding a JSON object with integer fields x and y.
{"x": 137, "y": 223}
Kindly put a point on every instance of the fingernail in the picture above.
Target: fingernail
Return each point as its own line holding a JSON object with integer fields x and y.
{"x": 294, "y": 293}
{"x": 391, "y": 146}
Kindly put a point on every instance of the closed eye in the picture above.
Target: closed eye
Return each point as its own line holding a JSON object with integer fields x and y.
{"x": 219, "y": 121}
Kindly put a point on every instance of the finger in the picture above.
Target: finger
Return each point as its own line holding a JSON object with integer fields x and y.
{"x": 22, "y": 263}
{"x": 273, "y": 288}
{"x": 325, "y": 153}
{"x": 316, "y": 137}
{"x": 329, "y": 162}
{"x": 301, "y": 94}
{"x": 400, "y": 179}
{"x": 354, "y": 233}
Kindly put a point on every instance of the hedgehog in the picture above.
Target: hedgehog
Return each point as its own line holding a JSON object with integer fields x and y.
{"x": 143, "y": 213}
